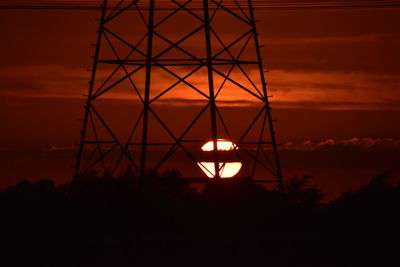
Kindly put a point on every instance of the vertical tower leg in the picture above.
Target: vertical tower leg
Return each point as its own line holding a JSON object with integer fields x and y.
{"x": 265, "y": 96}
{"x": 90, "y": 93}
{"x": 147, "y": 89}
{"x": 209, "y": 63}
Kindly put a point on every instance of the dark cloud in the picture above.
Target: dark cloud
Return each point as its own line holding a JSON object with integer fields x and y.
{"x": 54, "y": 148}
{"x": 334, "y": 90}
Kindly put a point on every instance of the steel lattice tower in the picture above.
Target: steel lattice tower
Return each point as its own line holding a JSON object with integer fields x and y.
{"x": 199, "y": 58}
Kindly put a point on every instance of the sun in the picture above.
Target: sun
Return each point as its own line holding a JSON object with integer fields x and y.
{"x": 222, "y": 145}
{"x": 226, "y": 169}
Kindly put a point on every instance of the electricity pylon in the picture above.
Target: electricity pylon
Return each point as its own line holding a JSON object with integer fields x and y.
{"x": 170, "y": 76}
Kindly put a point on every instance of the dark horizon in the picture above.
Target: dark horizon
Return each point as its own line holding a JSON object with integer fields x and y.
{"x": 159, "y": 221}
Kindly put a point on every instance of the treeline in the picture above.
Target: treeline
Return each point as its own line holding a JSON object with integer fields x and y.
{"x": 159, "y": 221}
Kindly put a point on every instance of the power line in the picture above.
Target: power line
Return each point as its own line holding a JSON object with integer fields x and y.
{"x": 265, "y": 5}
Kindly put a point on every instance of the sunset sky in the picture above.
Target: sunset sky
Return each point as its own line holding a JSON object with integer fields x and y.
{"x": 334, "y": 75}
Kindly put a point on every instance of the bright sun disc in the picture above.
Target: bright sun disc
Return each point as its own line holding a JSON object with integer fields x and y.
{"x": 222, "y": 145}
{"x": 228, "y": 171}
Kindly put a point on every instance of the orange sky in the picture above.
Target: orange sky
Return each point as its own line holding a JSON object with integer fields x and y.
{"x": 343, "y": 60}
{"x": 336, "y": 59}
{"x": 334, "y": 75}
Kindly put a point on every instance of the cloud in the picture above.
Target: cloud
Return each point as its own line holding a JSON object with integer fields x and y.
{"x": 47, "y": 80}
{"x": 186, "y": 102}
{"x": 325, "y": 90}
{"x": 334, "y": 90}
{"x": 352, "y": 143}
{"x": 54, "y": 148}
{"x": 332, "y": 40}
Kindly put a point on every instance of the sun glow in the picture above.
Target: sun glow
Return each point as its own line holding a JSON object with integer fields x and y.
{"x": 227, "y": 170}
{"x": 222, "y": 145}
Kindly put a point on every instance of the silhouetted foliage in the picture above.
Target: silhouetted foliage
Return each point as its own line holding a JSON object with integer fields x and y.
{"x": 157, "y": 220}
{"x": 301, "y": 193}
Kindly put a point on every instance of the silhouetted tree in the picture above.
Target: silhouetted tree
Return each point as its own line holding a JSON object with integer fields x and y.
{"x": 157, "y": 220}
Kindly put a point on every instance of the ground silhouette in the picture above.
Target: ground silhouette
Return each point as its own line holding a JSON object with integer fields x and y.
{"x": 157, "y": 220}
